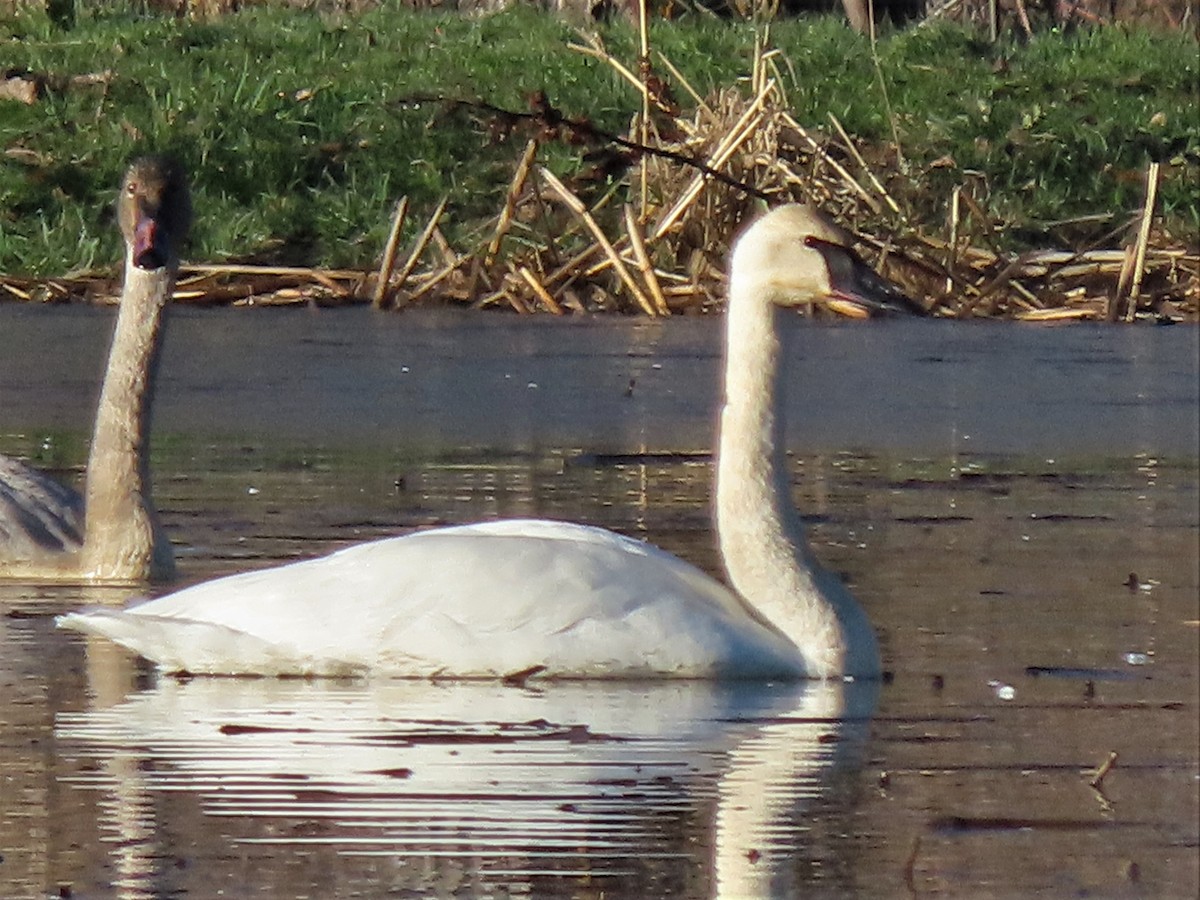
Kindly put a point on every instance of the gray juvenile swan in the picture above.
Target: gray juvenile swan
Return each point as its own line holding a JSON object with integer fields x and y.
{"x": 47, "y": 531}
{"x": 560, "y": 600}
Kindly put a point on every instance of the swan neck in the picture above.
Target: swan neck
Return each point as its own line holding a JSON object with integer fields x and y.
{"x": 121, "y": 524}
{"x": 762, "y": 540}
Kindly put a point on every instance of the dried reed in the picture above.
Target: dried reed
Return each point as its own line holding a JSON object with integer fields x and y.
{"x": 648, "y": 228}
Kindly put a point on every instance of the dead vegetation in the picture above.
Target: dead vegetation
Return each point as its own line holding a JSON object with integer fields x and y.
{"x": 644, "y": 226}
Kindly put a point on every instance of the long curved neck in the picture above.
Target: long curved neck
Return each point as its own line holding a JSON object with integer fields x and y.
{"x": 123, "y": 540}
{"x": 762, "y": 539}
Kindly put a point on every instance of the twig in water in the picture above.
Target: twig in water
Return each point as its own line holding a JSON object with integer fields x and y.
{"x": 910, "y": 865}
{"x": 1105, "y": 768}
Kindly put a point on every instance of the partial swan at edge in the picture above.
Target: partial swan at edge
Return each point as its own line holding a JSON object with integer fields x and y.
{"x": 557, "y": 600}
{"x": 47, "y": 531}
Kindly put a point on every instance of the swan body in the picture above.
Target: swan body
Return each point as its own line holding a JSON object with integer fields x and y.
{"x": 535, "y": 598}
{"x": 574, "y": 600}
{"x": 47, "y": 530}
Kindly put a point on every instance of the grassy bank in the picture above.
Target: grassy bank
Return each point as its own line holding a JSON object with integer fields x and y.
{"x": 302, "y": 130}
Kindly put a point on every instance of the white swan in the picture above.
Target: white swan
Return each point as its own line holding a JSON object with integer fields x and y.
{"x": 551, "y": 599}
{"x": 43, "y": 532}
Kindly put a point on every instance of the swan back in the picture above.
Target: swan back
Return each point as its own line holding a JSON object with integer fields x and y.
{"x": 37, "y": 514}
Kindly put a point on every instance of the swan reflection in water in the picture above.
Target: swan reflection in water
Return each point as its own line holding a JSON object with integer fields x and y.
{"x": 671, "y": 788}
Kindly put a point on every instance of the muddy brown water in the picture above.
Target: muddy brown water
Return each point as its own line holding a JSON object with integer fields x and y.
{"x": 987, "y": 492}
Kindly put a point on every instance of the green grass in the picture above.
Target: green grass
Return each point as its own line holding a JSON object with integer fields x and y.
{"x": 1057, "y": 128}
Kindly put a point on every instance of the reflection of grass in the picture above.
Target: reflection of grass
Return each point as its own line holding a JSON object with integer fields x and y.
{"x": 235, "y": 504}
{"x": 998, "y": 469}
{"x": 60, "y": 452}
{"x": 667, "y": 478}
{"x": 292, "y": 125}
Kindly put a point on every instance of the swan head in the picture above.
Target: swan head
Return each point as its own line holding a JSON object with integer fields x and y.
{"x": 795, "y": 255}
{"x": 154, "y": 211}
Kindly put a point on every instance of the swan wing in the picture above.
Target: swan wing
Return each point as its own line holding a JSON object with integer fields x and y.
{"x": 37, "y": 514}
{"x": 477, "y": 601}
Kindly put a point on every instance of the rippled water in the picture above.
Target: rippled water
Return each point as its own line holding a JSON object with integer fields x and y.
{"x": 1016, "y": 508}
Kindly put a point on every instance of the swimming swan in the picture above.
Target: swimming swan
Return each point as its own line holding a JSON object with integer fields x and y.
{"x": 43, "y": 532}
{"x": 558, "y": 600}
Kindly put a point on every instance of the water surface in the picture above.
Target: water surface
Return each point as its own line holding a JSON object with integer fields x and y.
{"x": 1015, "y": 507}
